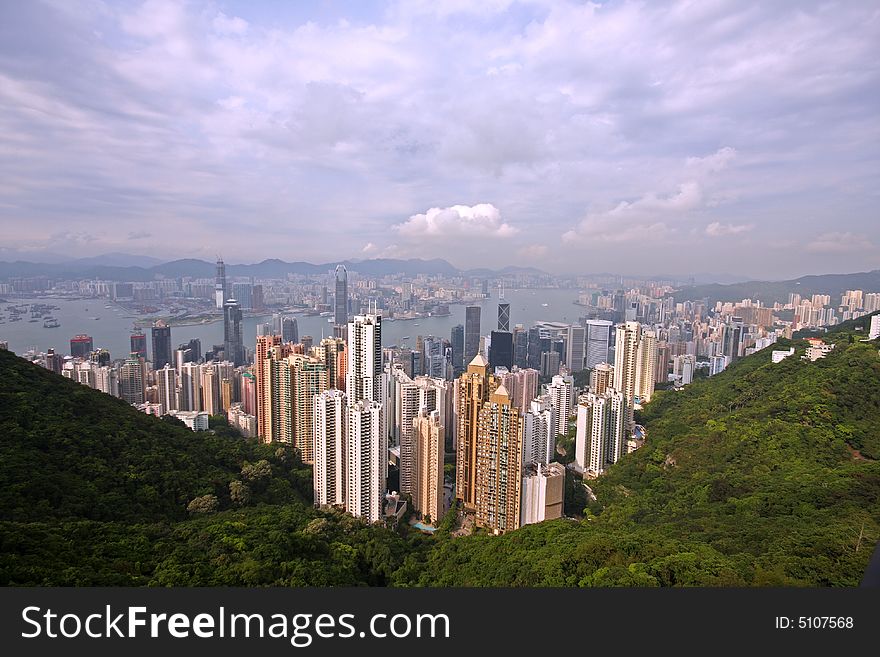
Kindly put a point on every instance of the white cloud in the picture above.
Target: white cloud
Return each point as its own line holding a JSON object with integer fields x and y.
{"x": 481, "y": 220}
{"x": 717, "y": 229}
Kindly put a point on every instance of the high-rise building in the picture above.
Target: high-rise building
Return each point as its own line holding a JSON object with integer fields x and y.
{"x": 161, "y": 334}
{"x": 647, "y": 366}
{"x": 874, "y": 331}
{"x": 504, "y": 317}
{"x": 457, "y": 339}
{"x": 598, "y": 340}
{"x": 539, "y": 431}
{"x": 166, "y": 378}
{"x": 81, "y": 346}
{"x": 575, "y": 345}
{"x": 190, "y": 387}
{"x": 309, "y": 378}
{"x": 534, "y": 349}
{"x": 718, "y": 364}
{"x": 289, "y": 330}
{"x": 498, "y": 482}
{"x": 330, "y": 436}
{"x": 363, "y": 376}
{"x": 471, "y": 332}
{"x": 220, "y": 291}
{"x": 264, "y": 343}
{"x": 366, "y": 457}
{"x": 664, "y": 355}
{"x": 427, "y": 489}
{"x": 244, "y": 294}
{"x": 520, "y": 347}
{"x": 521, "y": 384}
{"x": 543, "y": 492}
{"x": 561, "y": 393}
{"x": 501, "y": 349}
{"x": 139, "y": 344}
{"x": 133, "y": 380}
{"x": 683, "y": 368}
{"x": 259, "y": 305}
{"x": 601, "y": 378}
{"x": 601, "y": 431}
{"x": 233, "y": 345}
{"x": 549, "y": 363}
{"x": 341, "y": 298}
{"x": 472, "y": 390}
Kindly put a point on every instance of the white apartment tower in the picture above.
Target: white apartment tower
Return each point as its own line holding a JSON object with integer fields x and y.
{"x": 366, "y": 460}
{"x": 601, "y": 431}
{"x": 330, "y": 442}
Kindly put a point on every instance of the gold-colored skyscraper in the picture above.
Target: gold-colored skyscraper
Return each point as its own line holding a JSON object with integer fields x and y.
{"x": 499, "y": 463}
{"x": 308, "y": 378}
{"x": 474, "y": 387}
{"x": 264, "y": 342}
{"x": 428, "y": 471}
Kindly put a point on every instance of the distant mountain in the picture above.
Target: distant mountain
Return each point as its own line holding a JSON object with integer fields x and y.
{"x": 121, "y": 267}
{"x": 770, "y": 291}
{"x": 8, "y": 254}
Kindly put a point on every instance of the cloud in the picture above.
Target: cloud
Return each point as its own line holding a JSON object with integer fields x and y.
{"x": 481, "y": 220}
{"x": 533, "y": 252}
{"x": 717, "y": 229}
{"x": 713, "y": 163}
{"x": 836, "y": 243}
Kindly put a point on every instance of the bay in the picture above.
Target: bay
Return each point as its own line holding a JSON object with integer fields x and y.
{"x": 114, "y": 324}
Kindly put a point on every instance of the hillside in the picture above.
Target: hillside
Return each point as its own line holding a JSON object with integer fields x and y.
{"x": 92, "y": 492}
{"x": 764, "y": 475}
{"x": 771, "y": 291}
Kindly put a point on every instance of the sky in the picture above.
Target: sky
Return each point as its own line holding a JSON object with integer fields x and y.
{"x": 628, "y": 137}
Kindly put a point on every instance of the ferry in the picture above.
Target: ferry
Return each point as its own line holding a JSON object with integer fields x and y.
{"x": 51, "y": 323}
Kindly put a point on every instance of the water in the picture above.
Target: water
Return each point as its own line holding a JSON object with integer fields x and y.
{"x": 111, "y": 331}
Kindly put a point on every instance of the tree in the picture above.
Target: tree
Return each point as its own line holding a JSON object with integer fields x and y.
{"x": 203, "y": 504}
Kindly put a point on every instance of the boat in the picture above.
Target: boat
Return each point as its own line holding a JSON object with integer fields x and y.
{"x": 405, "y": 337}
{"x": 51, "y": 323}
{"x": 96, "y": 318}
{"x": 545, "y": 304}
{"x": 31, "y": 321}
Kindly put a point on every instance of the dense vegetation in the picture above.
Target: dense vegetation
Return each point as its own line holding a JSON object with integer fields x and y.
{"x": 766, "y": 474}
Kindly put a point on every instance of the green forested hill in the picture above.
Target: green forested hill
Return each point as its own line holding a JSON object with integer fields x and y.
{"x": 765, "y": 474}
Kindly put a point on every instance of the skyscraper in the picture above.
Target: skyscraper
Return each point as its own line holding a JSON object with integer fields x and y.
{"x": 520, "y": 347}
{"x": 190, "y": 393}
{"x": 309, "y": 378}
{"x": 501, "y": 349}
{"x": 575, "y": 343}
{"x": 561, "y": 393}
{"x": 457, "y": 339}
{"x": 626, "y": 351}
{"x": 220, "y": 285}
{"x": 341, "y": 298}
{"x": 233, "y": 346}
{"x": 598, "y": 340}
{"x": 264, "y": 343}
{"x": 167, "y": 380}
{"x": 132, "y": 380}
{"x": 427, "y": 494}
{"x": 471, "y": 332}
{"x": 601, "y": 431}
{"x": 330, "y": 414}
{"x": 473, "y": 389}
{"x": 81, "y": 346}
{"x": 366, "y": 460}
{"x": 539, "y": 431}
{"x": 498, "y": 464}
{"x": 601, "y": 378}
{"x": 363, "y": 374}
{"x": 161, "y": 334}
{"x": 504, "y": 317}
{"x": 289, "y": 329}
{"x": 139, "y": 344}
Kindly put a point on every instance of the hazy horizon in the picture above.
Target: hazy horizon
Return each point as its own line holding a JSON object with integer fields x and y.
{"x": 639, "y": 139}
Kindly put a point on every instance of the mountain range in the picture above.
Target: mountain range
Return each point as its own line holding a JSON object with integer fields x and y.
{"x": 121, "y": 267}
{"x": 771, "y": 291}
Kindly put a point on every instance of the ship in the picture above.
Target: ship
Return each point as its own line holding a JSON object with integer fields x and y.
{"x": 51, "y": 323}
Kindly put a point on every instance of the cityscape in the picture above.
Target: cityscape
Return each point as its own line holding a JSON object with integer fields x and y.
{"x": 471, "y": 420}
{"x": 482, "y": 298}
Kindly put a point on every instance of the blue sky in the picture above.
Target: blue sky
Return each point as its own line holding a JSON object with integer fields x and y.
{"x": 633, "y": 137}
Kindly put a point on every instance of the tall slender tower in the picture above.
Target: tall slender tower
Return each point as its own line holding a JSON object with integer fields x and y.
{"x": 330, "y": 414}
{"x": 363, "y": 375}
{"x": 341, "y": 299}
{"x": 366, "y": 460}
{"x": 161, "y": 334}
{"x": 264, "y": 343}
{"x": 471, "y": 332}
{"x": 503, "y": 315}
{"x": 220, "y": 291}
{"x": 427, "y": 492}
{"x": 499, "y": 463}
{"x": 626, "y": 351}
{"x": 473, "y": 391}
{"x": 233, "y": 346}
{"x": 309, "y": 378}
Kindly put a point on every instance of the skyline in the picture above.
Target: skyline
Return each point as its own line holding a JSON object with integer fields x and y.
{"x": 672, "y": 138}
